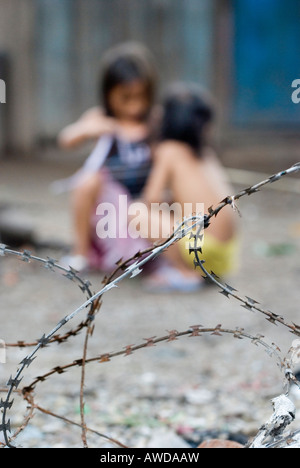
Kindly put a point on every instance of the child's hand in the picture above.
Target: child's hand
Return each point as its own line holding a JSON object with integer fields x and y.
{"x": 91, "y": 125}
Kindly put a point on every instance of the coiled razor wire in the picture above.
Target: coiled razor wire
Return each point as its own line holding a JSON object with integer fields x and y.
{"x": 192, "y": 226}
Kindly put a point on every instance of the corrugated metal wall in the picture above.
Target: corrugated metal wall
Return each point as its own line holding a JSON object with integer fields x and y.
{"x": 71, "y": 36}
{"x": 17, "y": 26}
{"x": 54, "y": 49}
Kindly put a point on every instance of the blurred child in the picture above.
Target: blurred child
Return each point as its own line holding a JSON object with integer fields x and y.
{"x": 191, "y": 171}
{"x": 121, "y": 160}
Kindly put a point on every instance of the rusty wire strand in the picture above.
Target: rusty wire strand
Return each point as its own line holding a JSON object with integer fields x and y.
{"x": 173, "y": 335}
{"x": 73, "y": 423}
{"x": 131, "y": 271}
{"x": 69, "y": 273}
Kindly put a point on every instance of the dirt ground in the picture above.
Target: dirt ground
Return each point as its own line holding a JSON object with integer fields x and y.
{"x": 173, "y": 394}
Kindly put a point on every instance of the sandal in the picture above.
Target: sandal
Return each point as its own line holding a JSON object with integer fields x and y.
{"x": 77, "y": 262}
{"x": 168, "y": 279}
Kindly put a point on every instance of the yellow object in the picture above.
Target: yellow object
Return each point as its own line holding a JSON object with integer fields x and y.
{"x": 295, "y": 230}
{"x": 220, "y": 257}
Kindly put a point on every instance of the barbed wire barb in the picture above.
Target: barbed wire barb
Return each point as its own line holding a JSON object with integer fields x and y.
{"x": 130, "y": 269}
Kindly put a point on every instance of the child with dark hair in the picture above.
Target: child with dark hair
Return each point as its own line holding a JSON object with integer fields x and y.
{"x": 120, "y": 162}
{"x": 189, "y": 169}
{"x": 186, "y": 114}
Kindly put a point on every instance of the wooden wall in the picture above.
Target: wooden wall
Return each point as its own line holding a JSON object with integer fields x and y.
{"x": 18, "y": 115}
{"x": 55, "y": 46}
{"x": 73, "y": 34}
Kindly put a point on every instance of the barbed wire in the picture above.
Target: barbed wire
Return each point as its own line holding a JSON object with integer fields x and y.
{"x": 248, "y": 303}
{"x": 173, "y": 335}
{"x": 195, "y": 331}
{"x": 51, "y": 265}
{"x": 130, "y": 269}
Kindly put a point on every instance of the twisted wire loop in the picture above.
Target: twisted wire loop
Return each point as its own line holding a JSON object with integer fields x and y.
{"x": 193, "y": 227}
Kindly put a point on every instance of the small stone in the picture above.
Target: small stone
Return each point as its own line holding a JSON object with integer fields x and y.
{"x": 199, "y": 396}
{"x": 166, "y": 439}
{"x": 220, "y": 444}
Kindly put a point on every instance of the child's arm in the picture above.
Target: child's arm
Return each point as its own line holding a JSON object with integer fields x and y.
{"x": 158, "y": 180}
{"x": 91, "y": 125}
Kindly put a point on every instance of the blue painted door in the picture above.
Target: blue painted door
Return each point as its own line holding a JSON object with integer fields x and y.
{"x": 266, "y": 62}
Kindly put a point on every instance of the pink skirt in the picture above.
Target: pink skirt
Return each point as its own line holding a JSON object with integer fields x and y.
{"x": 105, "y": 252}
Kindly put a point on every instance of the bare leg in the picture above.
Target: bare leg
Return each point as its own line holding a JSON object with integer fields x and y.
{"x": 83, "y": 202}
{"x": 192, "y": 181}
{"x": 166, "y": 223}
{"x": 158, "y": 225}
{"x": 173, "y": 255}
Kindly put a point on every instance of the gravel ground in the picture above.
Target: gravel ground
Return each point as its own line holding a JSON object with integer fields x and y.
{"x": 171, "y": 395}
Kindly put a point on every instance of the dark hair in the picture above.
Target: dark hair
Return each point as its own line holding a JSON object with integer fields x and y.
{"x": 186, "y": 111}
{"x": 125, "y": 63}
